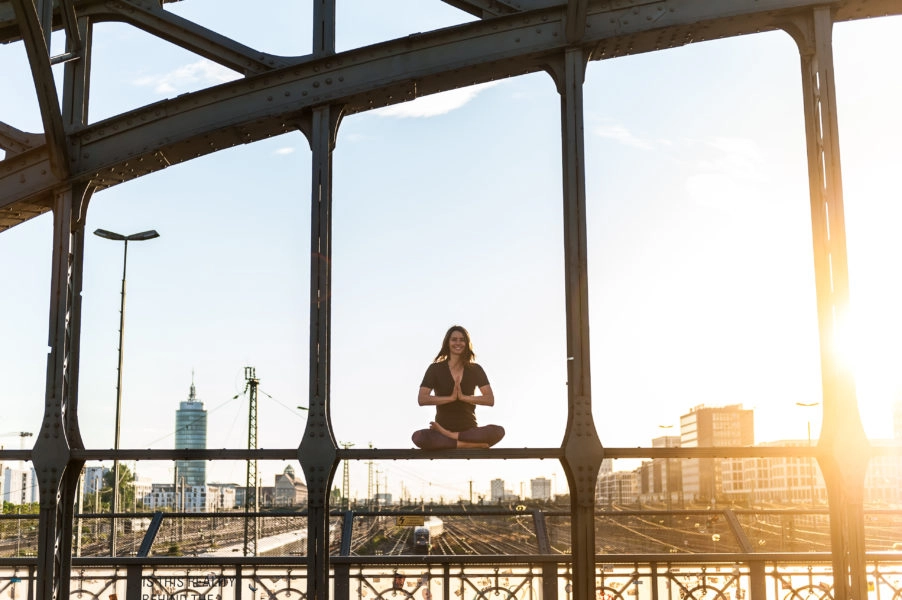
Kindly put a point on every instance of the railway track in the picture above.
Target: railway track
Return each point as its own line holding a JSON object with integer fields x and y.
{"x": 617, "y": 532}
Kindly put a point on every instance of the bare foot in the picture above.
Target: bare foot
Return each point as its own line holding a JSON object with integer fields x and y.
{"x": 436, "y": 427}
{"x": 461, "y": 444}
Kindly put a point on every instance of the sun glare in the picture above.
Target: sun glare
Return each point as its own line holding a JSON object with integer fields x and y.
{"x": 866, "y": 347}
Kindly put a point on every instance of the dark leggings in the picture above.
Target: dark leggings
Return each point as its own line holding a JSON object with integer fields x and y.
{"x": 428, "y": 439}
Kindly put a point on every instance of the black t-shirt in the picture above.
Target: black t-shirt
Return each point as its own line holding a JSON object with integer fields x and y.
{"x": 457, "y": 415}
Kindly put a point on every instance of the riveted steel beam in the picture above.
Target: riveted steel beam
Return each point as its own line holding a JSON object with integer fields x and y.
{"x": 37, "y": 47}
{"x": 14, "y": 141}
{"x": 153, "y": 19}
{"x": 845, "y": 449}
{"x": 576, "y": 20}
{"x": 77, "y": 73}
{"x": 324, "y": 27}
{"x": 583, "y": 452}
{"x": 486, "y": 9}
{"x": 318, "y": 452}
{"x": 57, "y": 471}
{"x": 457, "y": 454}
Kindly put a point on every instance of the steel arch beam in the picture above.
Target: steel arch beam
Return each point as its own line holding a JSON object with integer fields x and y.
{"x": 37, "y": 48}
{"x": 153, "y": 137}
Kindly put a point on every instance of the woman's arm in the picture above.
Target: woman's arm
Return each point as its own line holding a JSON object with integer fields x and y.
{"x": 487, "y": 398}
{"x": 425, "y": 398}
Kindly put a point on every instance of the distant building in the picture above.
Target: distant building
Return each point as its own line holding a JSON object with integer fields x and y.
{"x": 19, "y": 485}
{"x": 540, "y": 488}
{"x": 290, "y": 490}
{"x": 497, "y": 490}
{"x": 798, "y": 480}
{"x": 191, "y": 433}
{"x": 661, "y": 479}
{"x": 94, "y": 479}
{"x": 712, "y": 426}
{"x": 143, "y": 487}
{"x": 883, "y": 478}
{"x": 667, "y": 473}
{"x": 498, "y": 493}
{"x": 607, "y": 466}
{"x": 194, "y": 498}
{"x": 618, "y": 487}
{"x": 265, "y": 496}
{"x": 778, "y": 479}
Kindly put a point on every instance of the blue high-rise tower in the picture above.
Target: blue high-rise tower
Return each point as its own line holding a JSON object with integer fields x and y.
{"x": 191, "y": 433}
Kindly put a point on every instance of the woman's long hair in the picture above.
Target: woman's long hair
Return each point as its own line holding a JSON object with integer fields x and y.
{"x": 445, "y": 353}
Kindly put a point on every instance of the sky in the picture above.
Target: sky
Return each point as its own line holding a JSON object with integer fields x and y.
{"x": 447, "y": 210}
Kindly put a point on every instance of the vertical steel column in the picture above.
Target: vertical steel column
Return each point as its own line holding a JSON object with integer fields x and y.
{"x": 843, "y": 446}
{"x": 549, "y": 570}
{"x": 757, "y": 580}
{"x": 318, "y": 451}
{"x": 77, "y": 75}
{"x": 323, "y": 27}
{"x": 57, "y": 473}
{"x": 342, "y": 585}
{"x": 583, "y": 452}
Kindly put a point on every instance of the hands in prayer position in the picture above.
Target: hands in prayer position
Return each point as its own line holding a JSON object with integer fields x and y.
{"x": 450, "y": 385}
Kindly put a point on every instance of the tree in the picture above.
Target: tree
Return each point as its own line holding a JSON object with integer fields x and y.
{"x": 25, "y": 509}
{"x": 126, "y": 488}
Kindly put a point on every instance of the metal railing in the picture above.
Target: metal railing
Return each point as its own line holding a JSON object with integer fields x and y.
{"x": 721, "y": 577}
{"x": 723, "y": 554}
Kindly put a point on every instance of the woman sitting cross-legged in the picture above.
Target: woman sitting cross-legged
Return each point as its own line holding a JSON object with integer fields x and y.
{"x": 454, "y": 377}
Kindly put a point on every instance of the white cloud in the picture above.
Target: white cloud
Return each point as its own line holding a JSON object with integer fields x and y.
{"x": 728, "y": 172}
{"x": 435, "y": 104}
{"x": 740, "y": 157}
{"x": 285, "y": 150}
{"x": 198, "y": 74}
{"x": 623, "y": 135}
{"x": 356, "y": 137}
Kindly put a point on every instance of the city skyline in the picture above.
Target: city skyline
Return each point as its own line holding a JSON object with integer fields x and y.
{"x": 607, "y": 468}
{"x": 483, "y": 490}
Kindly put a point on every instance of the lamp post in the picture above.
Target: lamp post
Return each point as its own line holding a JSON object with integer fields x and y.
{"x": 810, "y": 465}
{"x": 118, "y": 237}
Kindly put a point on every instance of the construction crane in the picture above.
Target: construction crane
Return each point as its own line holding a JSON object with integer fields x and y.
{"x": 21, "y": 434}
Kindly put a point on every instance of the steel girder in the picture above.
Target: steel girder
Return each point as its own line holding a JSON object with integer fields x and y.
{"x": 846, "y": 448}
{"x": 281, "y": 99}
{"x": 310, "y": 93}
{"x": 583, "y": 452}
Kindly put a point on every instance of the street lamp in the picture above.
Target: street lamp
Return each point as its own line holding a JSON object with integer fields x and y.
{"x": 118, "y": 237}
{"x": 810, "y": 465}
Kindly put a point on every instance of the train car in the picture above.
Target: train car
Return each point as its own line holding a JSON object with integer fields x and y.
{"x": 136, "y": 525}
{"x": 426, "y": 534}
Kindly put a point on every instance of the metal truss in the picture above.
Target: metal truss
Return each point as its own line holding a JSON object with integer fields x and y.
{"x": 59, "y": 168}
{"x": 258, "y": 106}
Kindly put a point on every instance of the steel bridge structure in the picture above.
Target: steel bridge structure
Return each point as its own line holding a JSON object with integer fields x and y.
{"x": 59, "y": 169}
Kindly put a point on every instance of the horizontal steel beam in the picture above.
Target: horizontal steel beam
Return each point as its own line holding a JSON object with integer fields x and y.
{"x": 730, "y": 558}
{"x": 456, "y": 454}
